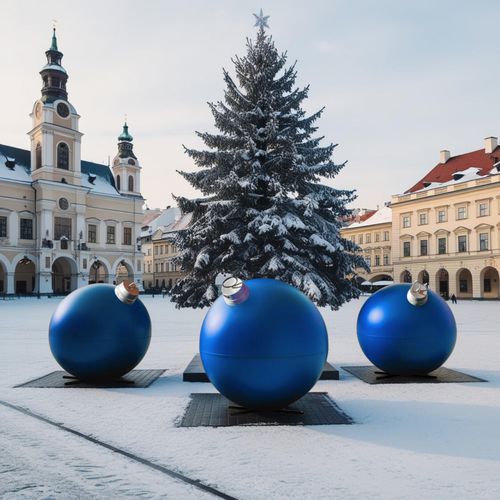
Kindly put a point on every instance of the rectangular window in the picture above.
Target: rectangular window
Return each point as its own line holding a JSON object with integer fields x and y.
{"x": 26, "y": 229}
{"x": 406, "y": 248}
{"x": 62, "y": 227}
{"x": 406, "y": 221}
{"x": 161, "y": 249}
{"x": 84, "y": 263}
{"x": 441, "y": 245}
{"x": 47, "y": 262}
{"x": 353, "y": 239}
{"x": 3, "y": 227}
{"x": 368, "y": 261}
{"x": 377, "y": 237}
{"x": 377, "y": 260}
{"x": 423, "y": 247}
{"x": 461, "y": 213}
{"x": 161, "y": 267}
{"x": 483, "y": 209}
{"x": 386, "y": 235}
{"x": 463, "y": 286}
{"x": 156, "y": 267}
{"x": 368, "y": 238}
{"x": 487, "y": 284}
{"x": 110, "y": 235}
{"x": 386, "y": 260}
{"x": 483, "y": 241}
{"x": 92, "y": 233}
{"x": 127, "y": 236}
{"x": 422, "y": 218}
{"x": 462, "y": 243}
{"x": 156, "y": 250}
{"x": 360, "y": 239}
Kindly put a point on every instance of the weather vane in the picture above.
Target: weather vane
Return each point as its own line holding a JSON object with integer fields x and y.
{"x": 261, "y": 20}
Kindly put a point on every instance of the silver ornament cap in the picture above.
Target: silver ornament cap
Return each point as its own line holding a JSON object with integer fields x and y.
{"x": 417, "y": 294}
{"x": 234, "y": 291}
{"x": 127, "y": 292}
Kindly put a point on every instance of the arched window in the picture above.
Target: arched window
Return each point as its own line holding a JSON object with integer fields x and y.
{"x": 118, "y": 182}
{"x": 131, "y": 183}
{"x": 63, "y": 156}
{"x": 38, "y": 155}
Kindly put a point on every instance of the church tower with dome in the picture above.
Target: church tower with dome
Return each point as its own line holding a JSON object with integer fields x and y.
{"x": 66, "y": 222}
{"x": 126, "y": 166}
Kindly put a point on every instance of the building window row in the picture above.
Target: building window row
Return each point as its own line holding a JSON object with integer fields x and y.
{"x": 461, "y": 213}
{"x": 110, "y": 234}
{"x": 462, "y": 245}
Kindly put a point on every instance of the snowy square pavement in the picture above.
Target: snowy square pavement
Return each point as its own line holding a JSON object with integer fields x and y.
{"x": 413, "y": 441}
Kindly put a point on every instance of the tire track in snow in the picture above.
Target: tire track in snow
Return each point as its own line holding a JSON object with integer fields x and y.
{"x": 88, "y": 470}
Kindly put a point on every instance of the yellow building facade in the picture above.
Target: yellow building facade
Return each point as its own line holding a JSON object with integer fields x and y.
{"x": 445, "y": 230}
{"x": 66, "y": 222}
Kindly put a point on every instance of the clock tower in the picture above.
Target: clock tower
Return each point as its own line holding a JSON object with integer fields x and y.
{"x": 55, "y": 138}
{"x": 126, "y": 167}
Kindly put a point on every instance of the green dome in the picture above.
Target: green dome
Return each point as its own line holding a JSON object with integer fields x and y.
{"x": 125, "y": 136}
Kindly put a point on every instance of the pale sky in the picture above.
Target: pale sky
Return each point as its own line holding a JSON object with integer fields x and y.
{"x": 400, "y": 80}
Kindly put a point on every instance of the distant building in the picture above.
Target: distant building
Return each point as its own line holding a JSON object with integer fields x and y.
{"x": 165, "y": 271}
{"x": 444, "y": 230}
{"x": 373, "y": 234}
{"x": 65, "y": 222}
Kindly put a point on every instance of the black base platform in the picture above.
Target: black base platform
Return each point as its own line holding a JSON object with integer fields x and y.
{"x": 214, "y": 410}
{"x": 372, "y": 375}
{"x": 195, "y": 372}
{"x": 62, "y": 379}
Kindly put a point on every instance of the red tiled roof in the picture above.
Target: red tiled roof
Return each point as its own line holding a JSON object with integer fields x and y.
{"x": 366, "y": 215}
{"x": 443, "y": 172}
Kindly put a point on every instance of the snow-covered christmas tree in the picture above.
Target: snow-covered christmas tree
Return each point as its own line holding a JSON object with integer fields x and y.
{"x": 264, "y": 211}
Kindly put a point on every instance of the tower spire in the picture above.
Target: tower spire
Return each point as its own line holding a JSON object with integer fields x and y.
{"x": 53, "y": 46}
{"x": 54, "y": 76}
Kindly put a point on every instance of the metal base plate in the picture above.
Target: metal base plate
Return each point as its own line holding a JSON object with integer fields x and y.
{"x": 214, "y": 410}
{"x": 62, "y": 379}
{"x": 195, "y": 372}
{"x": 373, "y": 375}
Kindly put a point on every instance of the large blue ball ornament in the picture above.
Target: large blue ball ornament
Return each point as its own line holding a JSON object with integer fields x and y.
{"x": 263, "y": 343}
{"x": 100, "y": 332}
{"x": 406, "y": 330}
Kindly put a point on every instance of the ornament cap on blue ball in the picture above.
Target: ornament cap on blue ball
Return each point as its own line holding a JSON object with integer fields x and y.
{"x": 100, "y": 332}
{"x": 406, "y": 329}
{"x": 263, "y": 343}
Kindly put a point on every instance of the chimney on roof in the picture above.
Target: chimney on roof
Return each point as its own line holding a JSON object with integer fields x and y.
{"x": 444, "y": 156}
{"x": 490, "y": 144}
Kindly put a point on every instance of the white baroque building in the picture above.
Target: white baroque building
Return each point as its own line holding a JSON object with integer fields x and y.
{"x": 65, "y": 222}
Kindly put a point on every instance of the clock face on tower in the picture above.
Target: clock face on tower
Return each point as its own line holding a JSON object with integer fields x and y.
{"x": 62, "y": 110}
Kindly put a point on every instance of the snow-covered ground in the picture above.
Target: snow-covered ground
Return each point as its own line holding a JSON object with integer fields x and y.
{"x": 434, "y": 441}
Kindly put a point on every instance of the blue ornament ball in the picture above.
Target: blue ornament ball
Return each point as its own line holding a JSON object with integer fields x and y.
{"x": 263, "y": 343}
{"x": 97, "y": 333}
{"x": 406, "y": 330}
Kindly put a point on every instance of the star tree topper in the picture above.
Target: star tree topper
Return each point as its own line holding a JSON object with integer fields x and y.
{"x": 261, "y": 20}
